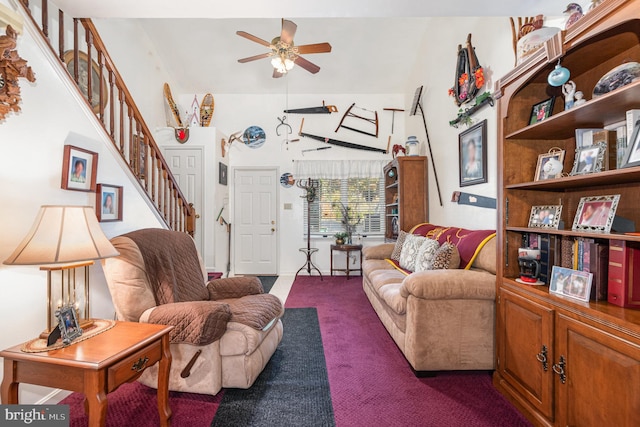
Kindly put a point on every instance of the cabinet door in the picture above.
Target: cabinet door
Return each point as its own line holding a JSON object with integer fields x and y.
{"x": 602, "y": 377}
{"x": 525, "y": 340}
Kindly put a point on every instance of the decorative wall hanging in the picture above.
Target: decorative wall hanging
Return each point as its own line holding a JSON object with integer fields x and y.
{"x": 348, "y": 114}
{"x": 469, "y": 76}
{"x": 109, "y": 202}
{"x": 286, "y": 180}
{"x": 473, "y": 155}
{"x": 254, "y": 137}
{"x": 181, "y": 132}
{"x": 325, "y": 109}
{"x": 12, "y": 67}
{"x": 206, "y": 110}
{"x": 83, "y": 78}
{"x": 79, "y": 169}
{"x": 193, "y": 118}
{"x": 222, "y": 173}
{"x": 338, "y": 142}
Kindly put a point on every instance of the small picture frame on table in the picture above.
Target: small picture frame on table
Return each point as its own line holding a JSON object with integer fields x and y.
{"x": 79, "y": 169}
{"x": 571, "y": 283}
{"x": 109, "y": 202}
{"x": 589, "y": 159}
{"x": 545, "y": 216}
{"x": 472, "y": 146}
{"x": 596, "y": 213}
{"x": 547, "y": 162}
{"x": 632, "y": 153}
{"x": 68, "y": 323}
{"x": 541, "y": 111}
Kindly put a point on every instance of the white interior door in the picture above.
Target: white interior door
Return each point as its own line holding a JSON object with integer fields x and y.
{"x": 254, "y": 226}
{"x": 186, "y": 167}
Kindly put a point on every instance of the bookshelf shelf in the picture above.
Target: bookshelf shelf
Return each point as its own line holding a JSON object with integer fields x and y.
{"x": 606, "y": 236}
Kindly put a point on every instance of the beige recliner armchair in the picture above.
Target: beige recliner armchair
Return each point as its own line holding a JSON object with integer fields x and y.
{"x": 225, "y": 331}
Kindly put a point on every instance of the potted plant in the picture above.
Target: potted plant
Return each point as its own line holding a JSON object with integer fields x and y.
{"x": 340, "y": 236}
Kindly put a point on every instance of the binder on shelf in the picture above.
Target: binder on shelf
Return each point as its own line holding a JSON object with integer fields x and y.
{"x": 598, "y": 264}
{"x": 624, "y": 273}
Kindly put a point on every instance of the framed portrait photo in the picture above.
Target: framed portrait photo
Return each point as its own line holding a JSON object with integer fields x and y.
{"x": 545, "y": 216}
{"x": 472, "y": 145}
{"x": 83, "y": 77}
{"x": 596, "y": 213}
{"x": 541, "y": 111}
{"x": 571, "y": 283}
{"x": 79, "y": 169}
{"x": 68, "y": 323}
{"x": 550, "y": 165}
{"x": 632, "y": 153}
{"x": 109, "y": 203}
{"x": 589, "y": 159}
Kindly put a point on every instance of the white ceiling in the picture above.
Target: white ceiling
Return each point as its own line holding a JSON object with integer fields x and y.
{"x": 374, "y": 42}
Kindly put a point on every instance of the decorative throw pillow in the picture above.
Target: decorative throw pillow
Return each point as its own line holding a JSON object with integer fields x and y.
{"x": 426, "y": 254}
{"x": 446, "y": 257}
{"x": 409, "y": 251}
{"x": 395, "y": 255}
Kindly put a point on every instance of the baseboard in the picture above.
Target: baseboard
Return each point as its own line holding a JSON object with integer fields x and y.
{"x": 54, "y": 397}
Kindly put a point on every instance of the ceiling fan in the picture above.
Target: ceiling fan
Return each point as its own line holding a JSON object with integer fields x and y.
{"x": 284, "y": 54}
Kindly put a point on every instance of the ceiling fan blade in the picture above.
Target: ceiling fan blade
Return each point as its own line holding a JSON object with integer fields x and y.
{"x": 288, "y": 31}
{"x": 314, "y": 48}
{"x": 253, "y": 38}
{"x": 254, "y": 58}
{"x": 309, "y": 66}
{"x": 277, "y": 74}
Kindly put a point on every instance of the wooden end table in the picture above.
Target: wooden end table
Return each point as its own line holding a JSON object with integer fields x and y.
{"x": 348, "y": 249}
{"x": 95, "y": 366}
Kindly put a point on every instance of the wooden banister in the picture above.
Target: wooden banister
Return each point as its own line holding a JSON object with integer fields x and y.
{"x": 105, "y": 92}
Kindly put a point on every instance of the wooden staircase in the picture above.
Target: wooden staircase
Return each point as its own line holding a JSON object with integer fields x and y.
{"x": 108, "y": 97}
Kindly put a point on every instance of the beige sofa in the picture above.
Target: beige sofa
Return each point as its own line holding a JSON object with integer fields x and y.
{"x": 440, "y": 319}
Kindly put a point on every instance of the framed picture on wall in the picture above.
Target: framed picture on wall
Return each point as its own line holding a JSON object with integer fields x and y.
{"x": 109, "y": 202}
{"x": 222, "y": 173}
{"x": 79, "y": 169}
{"x": 472, "y": 148}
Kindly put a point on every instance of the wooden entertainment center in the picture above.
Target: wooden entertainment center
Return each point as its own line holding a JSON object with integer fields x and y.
{"x": 564, "y": 362}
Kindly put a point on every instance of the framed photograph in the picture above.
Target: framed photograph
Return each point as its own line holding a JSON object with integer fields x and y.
{"x": 541, "y": 111}
{"x": 550, "y": 165}
{"x": 545, "y": 216}
{"x": 222, "y": 173}
{"x": 68, "y": 323}
{"x": 83, "y": 74}
{"x": 596, "y": 213}
{"x": 472, "y": 146}
{"x": 79, "y": 169}
{"x": 571, "y": 283}
{"x": 585, "y": 137}
{"x": 109, "y": 203}
{"x": 632, "y": 152}
{"x": 589, "y": 159}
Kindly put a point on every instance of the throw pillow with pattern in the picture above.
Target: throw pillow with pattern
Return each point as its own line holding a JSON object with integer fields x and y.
{"x": 446, "y": 257}
{"x": 395, "y": 255}
{"x": 409, "y": 252}
{"x": 426, "y": 254}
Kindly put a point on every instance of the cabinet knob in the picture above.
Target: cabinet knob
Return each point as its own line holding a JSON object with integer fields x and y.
{"x": 542, "y": 358}
{"x": 558, "y": 368}
{"x": 140, "y": 364}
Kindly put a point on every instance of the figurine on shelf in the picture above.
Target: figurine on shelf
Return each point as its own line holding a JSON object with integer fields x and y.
{"x": 579, "y": 99}
{"x": 574, "y": 10}
{"x": 569, "y": 91}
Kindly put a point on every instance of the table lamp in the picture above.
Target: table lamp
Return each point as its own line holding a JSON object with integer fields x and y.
{"x": 62, "y": 239}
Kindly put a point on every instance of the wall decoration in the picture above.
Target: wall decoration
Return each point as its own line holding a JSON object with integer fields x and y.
{"x": 596, "y": 213}
{"x": 632, "y": 153}
{"x": 348, "y": 114}
{"x": 286, "y": 180}
{"x": 83, "y": 78}
{"x": 109, "y": 202}
{"x": 222, "y": 173}
{"x": 571, "y": 283}
{"x": 254, "y": 137}
{"x": 12, "y": 67}
{"x": 79, "y": 169}
{"x": 545, "y": 216}
{"x": 469, "y": 76}
{"x": 589, "y": 159}
{"x": 541, "y": 110}
{"x": 338, "y": 142}
{"x": 472, "y": 146}
{"x": 325, "y": 109}
{"x": 550, "y": 165}
{"x": 206, "y": 110}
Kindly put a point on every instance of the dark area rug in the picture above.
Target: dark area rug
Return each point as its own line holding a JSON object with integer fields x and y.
{"x": 267, "y": 282}
{"x": 293, "y": 389}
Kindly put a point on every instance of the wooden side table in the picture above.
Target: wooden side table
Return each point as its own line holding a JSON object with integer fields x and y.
{"x": 347, "y": 249}
{"x": 95, "y": 366}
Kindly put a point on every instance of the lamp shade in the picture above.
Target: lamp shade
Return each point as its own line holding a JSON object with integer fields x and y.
{"x": 62, "y": 235}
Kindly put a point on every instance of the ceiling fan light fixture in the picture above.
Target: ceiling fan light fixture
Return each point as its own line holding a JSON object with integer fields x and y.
{"x": 282, "y": 65}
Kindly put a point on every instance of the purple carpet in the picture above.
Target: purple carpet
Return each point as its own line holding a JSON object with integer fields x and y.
{"x": 372, "y": 383}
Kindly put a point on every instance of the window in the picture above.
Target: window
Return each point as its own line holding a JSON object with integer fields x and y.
{"x": 363, "y": 196}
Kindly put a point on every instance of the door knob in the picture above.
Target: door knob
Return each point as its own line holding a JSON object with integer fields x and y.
{"x": 273, "y": 230}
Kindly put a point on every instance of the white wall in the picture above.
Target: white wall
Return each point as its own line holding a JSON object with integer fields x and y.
{"x": 31, "y": 149}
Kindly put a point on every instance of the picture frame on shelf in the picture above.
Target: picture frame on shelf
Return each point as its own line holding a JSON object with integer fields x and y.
{"x": 585, "y": 137}
{"x": 79, "y": 169}
{"x": 590, "y": 159}
{"x": 632, "y": 153}
{"x": 108, "y": 203}
{"x": 472, "y": 150}
{"x": 596, "y": 213}
{"x": 542, "y": 110}
{"x": 545, "y": 216}
{"x": 548, "y": 164}
{"x": 571, "y": 283}
{"x": 68, "y": 323}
